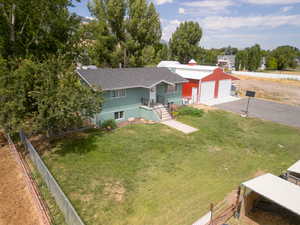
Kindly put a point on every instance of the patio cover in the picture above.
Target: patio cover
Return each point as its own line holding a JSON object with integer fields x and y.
{"x": 276, "y": 189}
{"x": 295, "y": 168}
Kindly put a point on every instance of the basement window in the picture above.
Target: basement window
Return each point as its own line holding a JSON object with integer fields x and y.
{"x": 119, "y": 115}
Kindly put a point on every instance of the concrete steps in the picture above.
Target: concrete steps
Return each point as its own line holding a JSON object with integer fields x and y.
{"x": 162, "y": 112}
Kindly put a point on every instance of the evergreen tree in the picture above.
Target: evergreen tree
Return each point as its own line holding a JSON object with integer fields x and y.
{"x": 184, "y": 41}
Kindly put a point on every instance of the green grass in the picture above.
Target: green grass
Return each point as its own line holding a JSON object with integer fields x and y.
{"x": 168, "y": 177}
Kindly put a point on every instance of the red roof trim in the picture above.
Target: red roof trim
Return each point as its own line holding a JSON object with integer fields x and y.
{"x": 219, "y": 74}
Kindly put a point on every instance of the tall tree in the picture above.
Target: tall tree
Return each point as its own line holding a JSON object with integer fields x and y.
{"x": 36, "y": 28}
{"x": 38, "y": 86}
{"x": 44, "y": 96}
{"x": 129, "y": 30}
{"x": 285, "y": 57}
{"x": 144, "y": 30}
{"x": 249, "y": 58}
{"x": 184, "y": 41}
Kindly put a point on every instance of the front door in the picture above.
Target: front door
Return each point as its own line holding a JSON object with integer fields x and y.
{"x": 152, "y": 96}
{"x": 194, "y": 95}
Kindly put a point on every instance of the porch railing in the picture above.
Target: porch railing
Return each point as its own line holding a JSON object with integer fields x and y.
{"x": 161, "y": 99}
{"x": 147, "y": 102}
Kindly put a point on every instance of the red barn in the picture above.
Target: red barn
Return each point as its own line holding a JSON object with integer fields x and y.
{"x": 204, "y": 87}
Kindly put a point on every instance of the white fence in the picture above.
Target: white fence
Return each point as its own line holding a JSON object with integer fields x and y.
{"x": 268, "y": 75}
{"x": 71, "y": 216}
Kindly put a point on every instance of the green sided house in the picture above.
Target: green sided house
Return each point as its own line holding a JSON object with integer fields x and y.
{"x": 146, "y": 93}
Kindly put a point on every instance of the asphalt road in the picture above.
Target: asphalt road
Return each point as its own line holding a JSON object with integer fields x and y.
{"x": 267, "y": 110}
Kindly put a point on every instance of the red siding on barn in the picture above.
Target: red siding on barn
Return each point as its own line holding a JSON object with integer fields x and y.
{"x": 216, "y": 75}
{"x": 187, "y": 87}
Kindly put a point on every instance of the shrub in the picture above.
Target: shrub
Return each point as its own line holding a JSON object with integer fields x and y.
{"x": 190, "y": 111}
{"x": 109, "y": 125}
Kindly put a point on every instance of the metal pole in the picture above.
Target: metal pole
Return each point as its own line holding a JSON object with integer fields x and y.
{"x": 247, "y": 109}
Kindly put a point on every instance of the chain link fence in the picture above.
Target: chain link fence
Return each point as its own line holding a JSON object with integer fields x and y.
{"x": 61, "y": 199}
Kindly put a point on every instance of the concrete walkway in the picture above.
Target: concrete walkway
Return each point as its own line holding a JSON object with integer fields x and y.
{"x": 180, "y": 126}
{"x": 216, "y": 101}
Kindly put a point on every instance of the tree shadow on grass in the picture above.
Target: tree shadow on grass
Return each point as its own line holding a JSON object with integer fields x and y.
{"x": 79, "y": 143}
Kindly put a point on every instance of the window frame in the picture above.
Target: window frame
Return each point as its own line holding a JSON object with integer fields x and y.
{"x": 173, "y": 91}
{"x": 118, "y": 113}
{"x": 119, "y": 93}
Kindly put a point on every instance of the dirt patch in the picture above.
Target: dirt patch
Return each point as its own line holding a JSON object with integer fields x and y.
{"x": 16, "y": 203}
{"x": 265, "y": 218}
{"x": 285, "y": 91}
{"x": 115, "y": 191}
{"x": 214, "y": 149}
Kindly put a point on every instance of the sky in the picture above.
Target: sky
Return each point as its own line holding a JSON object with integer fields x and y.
{"x": 238, "y": 23}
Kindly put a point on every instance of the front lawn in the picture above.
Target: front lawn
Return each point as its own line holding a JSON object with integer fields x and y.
{"x": 153, "y": 175}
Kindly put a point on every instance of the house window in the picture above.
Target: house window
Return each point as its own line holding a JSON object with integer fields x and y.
{"x": 119, "y": 115}
{"x": 119, "y": 93}
{"x": 171, "y": 88}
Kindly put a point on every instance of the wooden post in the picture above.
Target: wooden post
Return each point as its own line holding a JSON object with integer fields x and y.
{"x": 211, "y": 214}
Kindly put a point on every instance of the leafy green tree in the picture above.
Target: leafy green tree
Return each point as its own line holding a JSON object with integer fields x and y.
{"x": 143, "y": 29}
{"x": 123, "y": 32}
{"x": 184, "y": 41}
{"x": 12, "y": 110}
{"x": 163, "y": 53}
{"x": 45, "y": 96}
{"x": 249, "y": 58}
{"x": 271, "y": 63}
{"x": 285, "y": 57}
{"x": 37, "y": 27}
{"x": 148, "y": 55}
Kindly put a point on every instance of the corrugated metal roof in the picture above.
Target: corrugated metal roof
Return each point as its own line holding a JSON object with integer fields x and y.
{"x": 177, "y": 65}
{"x": 295, "y": 168}
{"x": 112, "y": 79}
{"x": 278, "y": 190}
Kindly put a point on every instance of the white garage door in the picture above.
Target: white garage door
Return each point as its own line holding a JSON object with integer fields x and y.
{"x": 224, "y": 88}
{"x": 207, "y": 90}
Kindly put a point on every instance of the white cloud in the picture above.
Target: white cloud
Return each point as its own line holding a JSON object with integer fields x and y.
{"x": 161, "y": 2}
{"x": 168, "y": 27}
{"x": 209, "y": 5}
{"x": 286, "y": 9}
{"x": 272, "y": 2}
{"x": 181, "y": 11}
{"x": 222, "y": 22}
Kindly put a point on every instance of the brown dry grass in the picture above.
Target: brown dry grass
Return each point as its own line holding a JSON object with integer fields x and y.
{"x": 284, "y": 91}
{"x": 16, "y": 203}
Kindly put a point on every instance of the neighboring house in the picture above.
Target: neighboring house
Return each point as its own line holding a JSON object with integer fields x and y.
{"x": 135, "y": 92}
{"x": 263, "y": 64}
{"x": 205, "y": 83}
{"x": 226, "y": 62}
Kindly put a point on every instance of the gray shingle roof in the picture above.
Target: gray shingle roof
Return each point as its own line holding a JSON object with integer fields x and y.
{"x": 111, "y": 79}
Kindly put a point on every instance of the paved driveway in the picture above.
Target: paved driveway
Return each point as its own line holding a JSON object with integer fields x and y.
{"x": 267, "y": 110}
